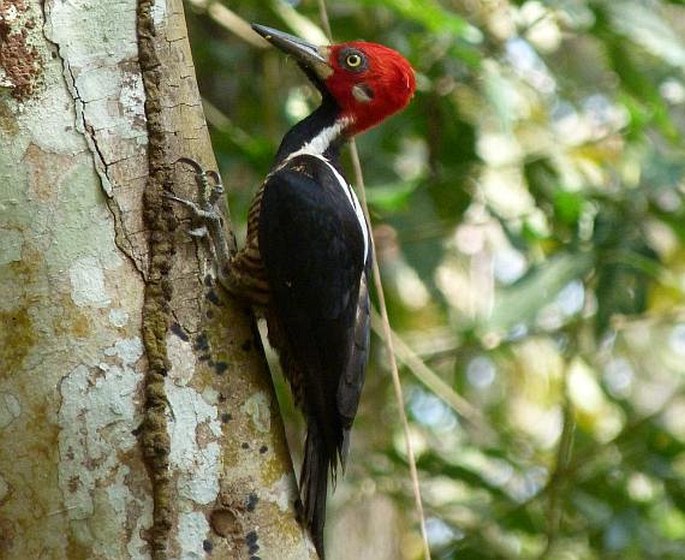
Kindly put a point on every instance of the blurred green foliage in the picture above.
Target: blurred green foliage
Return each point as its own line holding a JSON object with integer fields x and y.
{"x": 529, "y": 217}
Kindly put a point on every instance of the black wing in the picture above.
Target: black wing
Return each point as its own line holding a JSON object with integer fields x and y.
{"x": 350, "y": 386}
{"x": 312, "y": 247}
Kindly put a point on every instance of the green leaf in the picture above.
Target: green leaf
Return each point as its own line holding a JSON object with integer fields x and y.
{"x": 432, "y": 16}
{"x": 648, "y": 27}
{"x": 635, "y": 76}
{"x": 520, "y": 302}
{"x": 391, "y": 197}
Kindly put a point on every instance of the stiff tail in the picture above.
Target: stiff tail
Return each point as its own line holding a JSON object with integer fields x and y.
{"x": 314, "y": 484}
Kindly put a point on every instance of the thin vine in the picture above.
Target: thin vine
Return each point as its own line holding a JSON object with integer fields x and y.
{"x": 387, "y": 331}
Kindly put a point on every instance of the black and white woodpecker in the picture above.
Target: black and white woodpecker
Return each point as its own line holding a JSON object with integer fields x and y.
{"x": 306, "y": 261}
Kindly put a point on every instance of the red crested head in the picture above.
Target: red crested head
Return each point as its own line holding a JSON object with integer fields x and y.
{"x": 369, "y": 82}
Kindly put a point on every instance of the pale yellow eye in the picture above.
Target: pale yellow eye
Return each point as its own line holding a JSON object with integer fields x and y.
{"x": 353, "y": 60}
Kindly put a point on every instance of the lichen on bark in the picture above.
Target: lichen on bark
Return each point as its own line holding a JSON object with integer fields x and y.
{"x": 159, "y": 221}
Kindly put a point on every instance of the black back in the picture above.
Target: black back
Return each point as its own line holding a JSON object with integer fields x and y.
{"x": 312, "y": 247}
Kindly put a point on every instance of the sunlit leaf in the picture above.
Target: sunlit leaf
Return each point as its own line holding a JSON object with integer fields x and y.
{"x": 589, "y": 204}
{"x": 649, "y": 28}
{"x": 519, "y": 303}
{"x": 391, "y": 197}
{"x": 430, "y": 14}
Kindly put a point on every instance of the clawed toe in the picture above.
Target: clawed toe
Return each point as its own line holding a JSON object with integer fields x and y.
{"x": 209, "y": 183}
{"x": 206, "y": 213}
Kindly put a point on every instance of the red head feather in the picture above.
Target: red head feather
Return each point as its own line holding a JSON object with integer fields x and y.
{"x": 369, "y": 81}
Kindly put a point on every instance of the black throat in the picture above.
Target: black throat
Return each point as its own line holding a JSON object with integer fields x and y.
{"x": 310, "y": 127}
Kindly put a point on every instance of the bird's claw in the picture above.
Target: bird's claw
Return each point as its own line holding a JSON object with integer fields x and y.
{"x": 205, "y": 212}
{"x": 210, "y": 186}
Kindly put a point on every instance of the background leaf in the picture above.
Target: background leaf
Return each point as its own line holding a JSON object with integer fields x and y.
{"x": 529, "y": 218}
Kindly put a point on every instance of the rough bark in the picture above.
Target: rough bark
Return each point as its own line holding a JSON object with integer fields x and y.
{"x": 137, "y": 418}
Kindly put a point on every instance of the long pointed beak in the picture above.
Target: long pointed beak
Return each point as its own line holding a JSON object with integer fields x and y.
{"x": 306, "y": 54}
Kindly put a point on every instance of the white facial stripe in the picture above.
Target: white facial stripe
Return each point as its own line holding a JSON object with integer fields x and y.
{"x": 360, "y": 94}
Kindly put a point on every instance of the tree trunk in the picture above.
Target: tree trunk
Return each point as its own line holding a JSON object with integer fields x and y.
{"x": 137, "y": 416}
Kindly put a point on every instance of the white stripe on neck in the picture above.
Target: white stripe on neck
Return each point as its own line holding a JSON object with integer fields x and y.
{"x": 322, "y": 141}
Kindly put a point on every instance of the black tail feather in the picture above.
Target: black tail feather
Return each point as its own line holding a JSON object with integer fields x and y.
{"x": 314, "y": 484}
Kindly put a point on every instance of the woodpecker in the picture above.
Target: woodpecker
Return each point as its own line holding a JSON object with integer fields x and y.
{"x": 307, "y": 256}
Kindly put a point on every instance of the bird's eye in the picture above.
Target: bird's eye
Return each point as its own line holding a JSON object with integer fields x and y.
{"x": 353, "y": 60}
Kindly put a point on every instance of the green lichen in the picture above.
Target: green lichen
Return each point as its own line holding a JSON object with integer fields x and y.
{"x": 158, "y": 218}
{"x": 17, "y": 337}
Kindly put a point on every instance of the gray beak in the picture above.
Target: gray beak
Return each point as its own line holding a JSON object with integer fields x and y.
{"x": 308, "y": 55}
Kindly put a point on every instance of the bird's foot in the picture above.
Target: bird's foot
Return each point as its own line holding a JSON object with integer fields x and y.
{"x": 206, "y": 214}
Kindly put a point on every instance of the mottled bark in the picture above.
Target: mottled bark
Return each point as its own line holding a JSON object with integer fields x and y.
{"x": 137, "y": 417}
